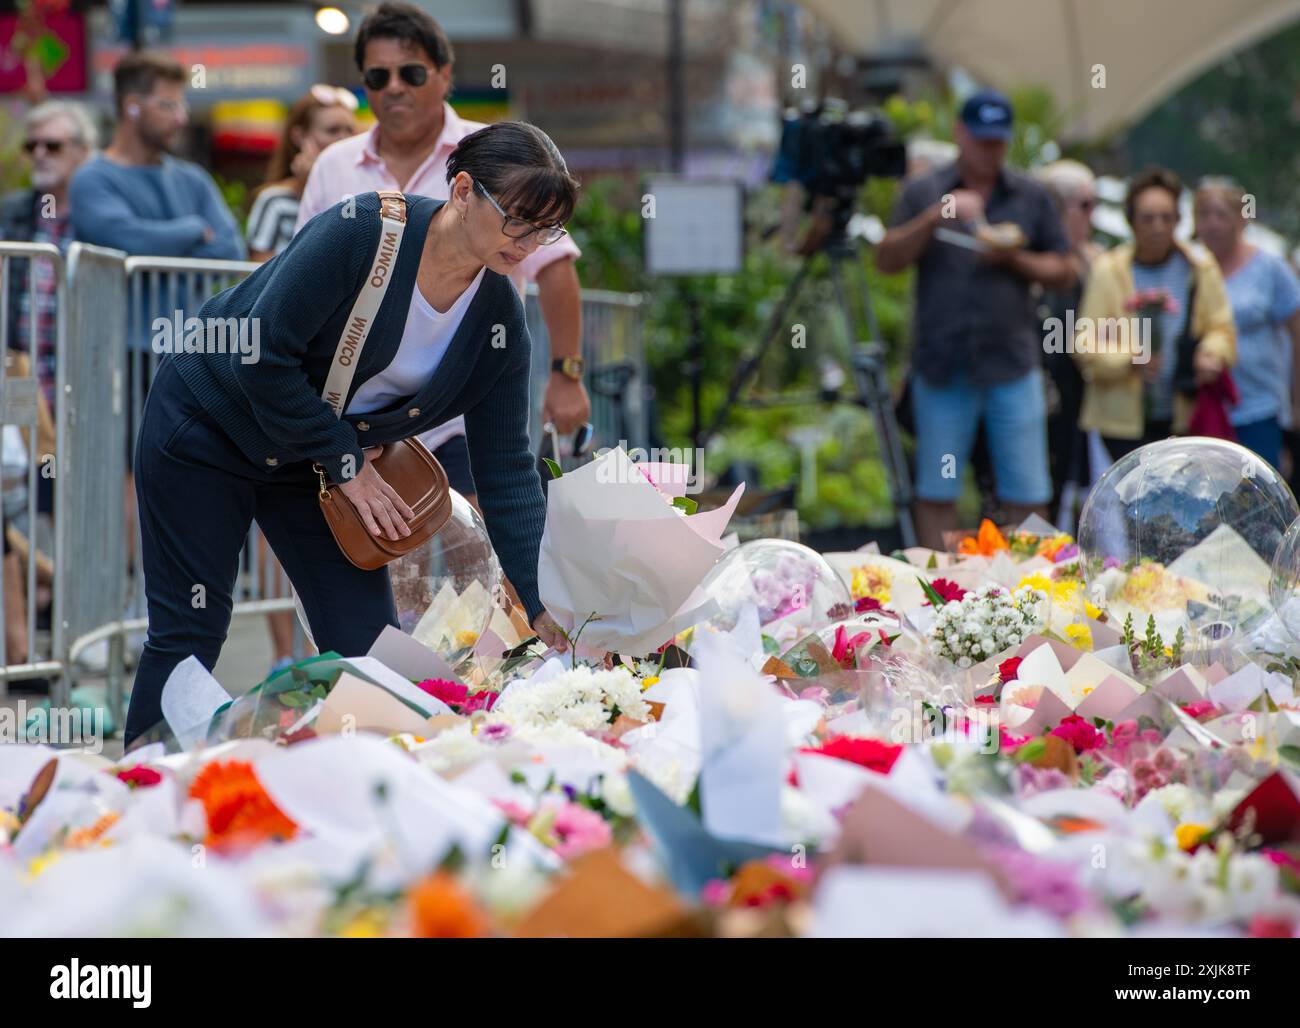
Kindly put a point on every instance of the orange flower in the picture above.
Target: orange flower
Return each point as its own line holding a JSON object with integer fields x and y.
{"x": 441, "y": 909}
{"x": 986, "y": 543}
{"x": 239, "y": 811}
{"x": 82, "y": 838}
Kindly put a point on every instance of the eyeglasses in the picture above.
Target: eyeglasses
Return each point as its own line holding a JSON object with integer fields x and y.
{"x": 412, "y": 74}
{"x": 518, "y": 228}
{"x": 52, "y": 146}
{"x": 333, "y": 96}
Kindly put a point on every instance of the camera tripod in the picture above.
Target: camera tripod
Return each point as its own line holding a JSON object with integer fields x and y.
{"x": 867, "y": 360}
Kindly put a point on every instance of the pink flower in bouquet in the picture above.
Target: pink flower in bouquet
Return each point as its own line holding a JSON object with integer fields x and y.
{"x": 1031, "y": 780}
{"x": 1007, "y": 742}
{"x": 484, "y": 699}
{"x": 139, "y": 777}
{"x": 716, "y": 893}
{"x": 866, "y": 604}
{"x": 1045, "y": 884}
{"x": 515, "y": 813}
{"x": 1009, "y": 668}
{"x": 844, "y": 651}
{"x": 869, "y": 753}
{"x": 579, "y": 830}
{"x": 947, "y": 590}
{"x": 451, "y": 693}
{"x": 1200, "y": 708}
{"x": 1262, "y": 926}
{"x": 1078, "y": 733}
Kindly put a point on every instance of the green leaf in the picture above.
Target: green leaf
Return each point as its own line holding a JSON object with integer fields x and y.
{"x": 1030, "y": 751}
{"x": 935, "y": 599}
{"x": 1291, "y": 753}
{"x": 933, "y": 563}
{"x": 554, "y": 468}
{"x": 770, "y": 646}
{"x": 686, "y": 504}
{"x": 295, "y": 698}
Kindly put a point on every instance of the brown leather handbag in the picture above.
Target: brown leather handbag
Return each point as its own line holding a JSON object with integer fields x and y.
{"x": 406, "y": 465}
{"x": 418, "y": 478}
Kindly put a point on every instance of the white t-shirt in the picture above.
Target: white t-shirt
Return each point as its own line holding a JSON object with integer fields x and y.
{"x": 425, "y": 340}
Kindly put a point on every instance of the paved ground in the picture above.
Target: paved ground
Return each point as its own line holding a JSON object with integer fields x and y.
{"x": 244, "y": 662}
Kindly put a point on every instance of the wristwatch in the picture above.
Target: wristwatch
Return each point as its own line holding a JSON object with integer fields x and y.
{"x": 570, "y": 367}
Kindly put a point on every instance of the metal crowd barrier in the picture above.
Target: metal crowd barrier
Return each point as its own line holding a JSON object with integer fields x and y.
{"x": 105, "y": 362}
{"x": 19, "y": 410}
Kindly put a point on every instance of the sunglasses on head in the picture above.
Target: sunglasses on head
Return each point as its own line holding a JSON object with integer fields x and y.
{"x": 51, "y": 145}
{"x": 412, "y": 74}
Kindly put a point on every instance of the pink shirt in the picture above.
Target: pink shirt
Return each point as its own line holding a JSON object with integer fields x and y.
{"x": 353, "y": 166}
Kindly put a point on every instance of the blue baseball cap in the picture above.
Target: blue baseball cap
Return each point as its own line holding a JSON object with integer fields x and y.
{"x": 987, "y": 115}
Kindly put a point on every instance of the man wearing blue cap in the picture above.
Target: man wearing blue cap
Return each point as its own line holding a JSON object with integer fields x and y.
{"x": 977, "y": 339}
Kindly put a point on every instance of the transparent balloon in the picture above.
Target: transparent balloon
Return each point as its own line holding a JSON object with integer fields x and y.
{"x": 1185, "y": 530}
{"x": 792, "y": 588}
{"x": 1284, "y": 586}
{"x": 446, "y": 591}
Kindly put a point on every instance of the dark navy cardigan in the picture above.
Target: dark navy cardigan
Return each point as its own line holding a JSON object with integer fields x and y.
{"x": 272, "y": 409}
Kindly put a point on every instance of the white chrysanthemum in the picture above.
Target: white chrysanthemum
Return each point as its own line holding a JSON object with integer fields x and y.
{"x": 584, "y": 698}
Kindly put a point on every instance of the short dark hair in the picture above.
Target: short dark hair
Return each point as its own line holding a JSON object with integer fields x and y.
{"x": 523, "y": 170}
{"x": 406, "y": 22}
{"x": 1151, "y": 177}
{"x": 137, "y": 74}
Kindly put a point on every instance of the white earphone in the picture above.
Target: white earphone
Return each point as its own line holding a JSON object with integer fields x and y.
{"x": 133, "y": 111}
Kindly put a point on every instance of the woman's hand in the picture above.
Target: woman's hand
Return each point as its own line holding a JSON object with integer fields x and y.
{"x": 1206, "y": 366}
{"x": 301, "y": 165}
{"x": 549, "y": 632}
{"x": 382, "y": 510}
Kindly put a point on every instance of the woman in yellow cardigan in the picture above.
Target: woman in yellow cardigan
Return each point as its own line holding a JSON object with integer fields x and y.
{"x": 1129, "y": 394}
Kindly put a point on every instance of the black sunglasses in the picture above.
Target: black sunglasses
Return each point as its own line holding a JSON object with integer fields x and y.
{"x": 51, "y": 145}
{"x": 412, "y": 74}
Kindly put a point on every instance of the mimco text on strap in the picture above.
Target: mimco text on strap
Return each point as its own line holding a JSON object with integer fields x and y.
{"x": 348, "y": 352}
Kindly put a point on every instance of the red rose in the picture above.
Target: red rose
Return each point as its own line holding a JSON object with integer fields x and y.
{"x": 986, "y": 701}
{"x": 1009, "y": 668}
{"x": 868, "y": 753}
{"x": 481, "y": 700}
{"x": 140, "y": 777}
{"x": 867, "y": 603}
{"x": 1078, "y": 733}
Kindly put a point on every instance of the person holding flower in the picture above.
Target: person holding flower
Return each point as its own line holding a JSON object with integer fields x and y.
{"x": 1169, "y": 293}
{"x": 1265, "y": 296}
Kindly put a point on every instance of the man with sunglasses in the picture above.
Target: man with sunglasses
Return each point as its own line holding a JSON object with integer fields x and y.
{"x": 58, "y": 138}
{"x": 405, "y": 61}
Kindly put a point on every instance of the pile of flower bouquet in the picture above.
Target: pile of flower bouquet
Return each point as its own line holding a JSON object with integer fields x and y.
{"x": 973, "y": 733}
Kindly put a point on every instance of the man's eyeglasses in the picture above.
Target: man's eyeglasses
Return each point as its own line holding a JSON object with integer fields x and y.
{"x": 412, "y": 74}
{"x": 52, "y": 146}
{"x": 518, "y": 228}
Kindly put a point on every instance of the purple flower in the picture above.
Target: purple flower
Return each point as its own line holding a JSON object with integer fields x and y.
{"x": 1067, "y": 551}
{"x": 1110, "y": 562}
{"x": 494, "y": 733}
{"x": 1045, "y": 884}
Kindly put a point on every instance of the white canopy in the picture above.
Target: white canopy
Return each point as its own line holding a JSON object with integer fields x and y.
{"x": 1148, "y": 47}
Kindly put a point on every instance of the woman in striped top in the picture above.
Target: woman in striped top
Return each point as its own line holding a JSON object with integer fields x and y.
{"x": 323, "y": 116}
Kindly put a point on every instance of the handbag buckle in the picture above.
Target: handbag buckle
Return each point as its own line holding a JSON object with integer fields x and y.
{"x": 324, "y": 488}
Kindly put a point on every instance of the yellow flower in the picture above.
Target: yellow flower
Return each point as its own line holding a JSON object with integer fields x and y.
{"x": 1091, "y": 611}
{"x": 869, "y": 580}
{"x": 1188, "y": 835}
{"x": 466, "y": 638}
{"x": 367, "y": 924}
{"x": 1080, "y": 636}
{"x": 38, "y": 864}
{"x": 649, "y": 681}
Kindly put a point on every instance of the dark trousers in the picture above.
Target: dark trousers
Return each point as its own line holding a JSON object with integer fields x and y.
{"x": 1155, "y": 431}
{"x": 198, "y": 495}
